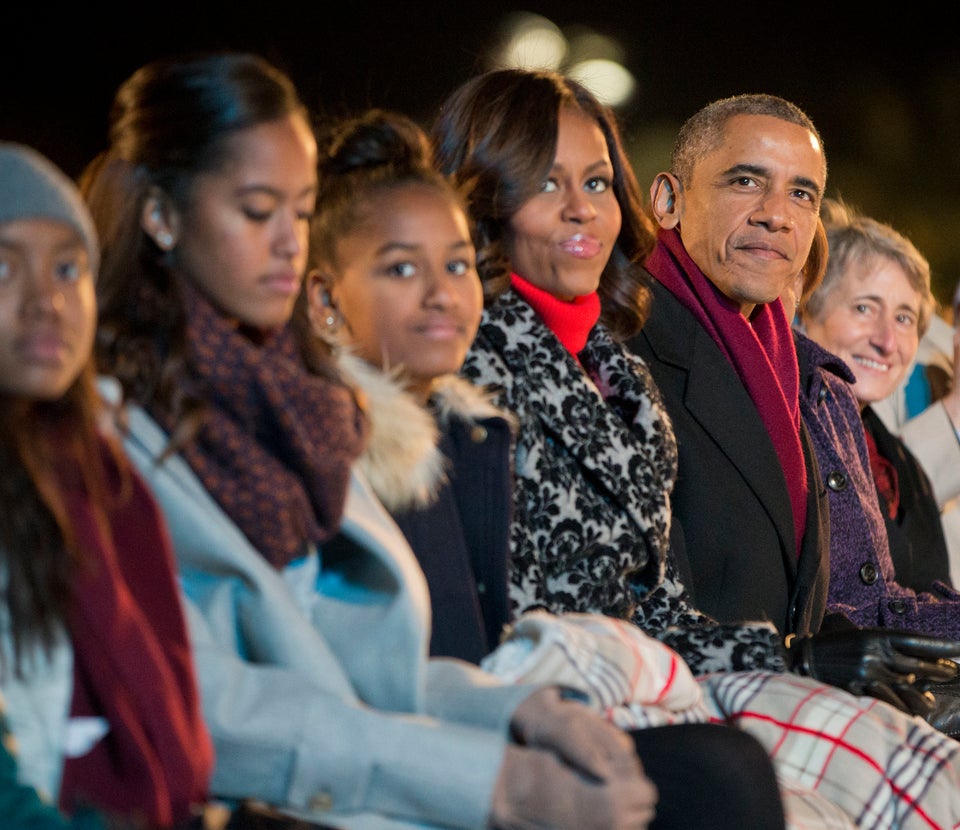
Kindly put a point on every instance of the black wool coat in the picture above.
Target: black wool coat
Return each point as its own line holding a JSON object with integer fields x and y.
{"x": 733, "y": 523}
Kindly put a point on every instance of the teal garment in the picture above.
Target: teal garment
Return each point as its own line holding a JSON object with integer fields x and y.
{"x": 21, "y": 806}
{"x": 917, "y": 394}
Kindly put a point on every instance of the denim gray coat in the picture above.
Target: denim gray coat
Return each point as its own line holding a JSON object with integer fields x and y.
{"x": 315, "y": 681}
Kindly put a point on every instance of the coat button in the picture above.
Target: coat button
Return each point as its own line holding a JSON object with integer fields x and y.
{"x": 321, "y": 801}
{"x": 478, "y": 434}
{"x": 869, "y": 573}
{"x": 837, "y": 481}
{"x": 898, "y": 606}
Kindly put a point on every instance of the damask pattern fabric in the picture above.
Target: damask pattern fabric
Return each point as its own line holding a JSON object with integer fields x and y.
{"x": 595, "y": 460}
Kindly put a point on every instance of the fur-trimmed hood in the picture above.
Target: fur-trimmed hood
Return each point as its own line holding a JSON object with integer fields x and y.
{"x": 402, "y": 461}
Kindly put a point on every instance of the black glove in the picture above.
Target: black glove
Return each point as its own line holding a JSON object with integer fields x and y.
{"x": 946, "y": 708}
{"x": 894, "y": 666}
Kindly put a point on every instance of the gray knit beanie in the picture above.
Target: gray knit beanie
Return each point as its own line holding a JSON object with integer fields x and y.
{"x": 32, "y": 187}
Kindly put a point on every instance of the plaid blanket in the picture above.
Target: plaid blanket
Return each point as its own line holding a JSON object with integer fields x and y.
{"x": 883, "y": 767}
{"x": 841, "y": 761}
{"x": 637, "y": 680}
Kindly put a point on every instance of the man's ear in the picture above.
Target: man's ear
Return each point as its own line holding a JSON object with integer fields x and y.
{"x": 160, "y": 220}
{"x": 665, "y": 195}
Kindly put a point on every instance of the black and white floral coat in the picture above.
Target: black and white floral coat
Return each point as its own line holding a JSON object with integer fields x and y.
{"x": 595, "y": 462}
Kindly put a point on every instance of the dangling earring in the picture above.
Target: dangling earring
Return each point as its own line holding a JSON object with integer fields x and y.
{"x": 332, "y": 320}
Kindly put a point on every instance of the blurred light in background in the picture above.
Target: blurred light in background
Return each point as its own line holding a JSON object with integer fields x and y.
{"x": 531, "y": 41}
{"x": 610, "y": 81}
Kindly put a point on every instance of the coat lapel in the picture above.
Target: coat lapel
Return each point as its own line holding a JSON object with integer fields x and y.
{"x": 717, "y": 399}
{"x": 573, "y": 411}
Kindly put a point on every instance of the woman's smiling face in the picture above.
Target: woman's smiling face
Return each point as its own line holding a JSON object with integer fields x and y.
{"x": 871, "y": 321}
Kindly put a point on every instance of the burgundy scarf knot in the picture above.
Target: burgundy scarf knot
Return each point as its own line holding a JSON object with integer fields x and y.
{"x": 760, "y": 349}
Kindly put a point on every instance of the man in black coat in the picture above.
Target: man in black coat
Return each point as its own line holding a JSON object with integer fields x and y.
{"x": 738, "y": 212}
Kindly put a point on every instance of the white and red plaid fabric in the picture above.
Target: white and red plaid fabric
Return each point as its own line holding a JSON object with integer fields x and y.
{"x": 842, "y": 761}
{"x": 637, "y": 680}
{"x": 884, "y": 768}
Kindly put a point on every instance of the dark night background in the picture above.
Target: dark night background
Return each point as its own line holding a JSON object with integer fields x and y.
{"x": 884, "y": 89}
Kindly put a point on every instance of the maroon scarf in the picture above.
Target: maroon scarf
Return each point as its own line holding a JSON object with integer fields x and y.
{"x": 132, "y": 662}
{"x": 570, "y": 321}
{"x": 277, "y": 443}
{"x": 761, "y": 351}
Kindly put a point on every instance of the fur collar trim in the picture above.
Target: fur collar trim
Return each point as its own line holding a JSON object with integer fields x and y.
{"x": 402, "y": 461}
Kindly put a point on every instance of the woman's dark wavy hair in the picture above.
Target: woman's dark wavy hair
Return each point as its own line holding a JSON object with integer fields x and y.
{"x": 496, "y": 135}
{"x": 169, "y": 122}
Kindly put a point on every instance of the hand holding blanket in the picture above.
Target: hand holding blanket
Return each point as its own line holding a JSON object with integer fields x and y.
{"x": 637, "y": 680}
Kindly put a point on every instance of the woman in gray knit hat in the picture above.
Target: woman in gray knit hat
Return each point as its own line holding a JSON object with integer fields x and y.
{"x": 95, "y": 664}
{"x": 43, "y": 215}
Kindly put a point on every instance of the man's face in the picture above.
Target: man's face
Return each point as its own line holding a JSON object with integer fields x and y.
{"x": 748, "y": 215}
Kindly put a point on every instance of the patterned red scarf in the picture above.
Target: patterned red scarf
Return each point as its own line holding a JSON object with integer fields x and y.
{"x": 132, "y": 662}
{"x": 761, "y": 351}
{"x": 277, "y": 443}
{"x": 570, "y": 321}
{"x": 885, "y": 476}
